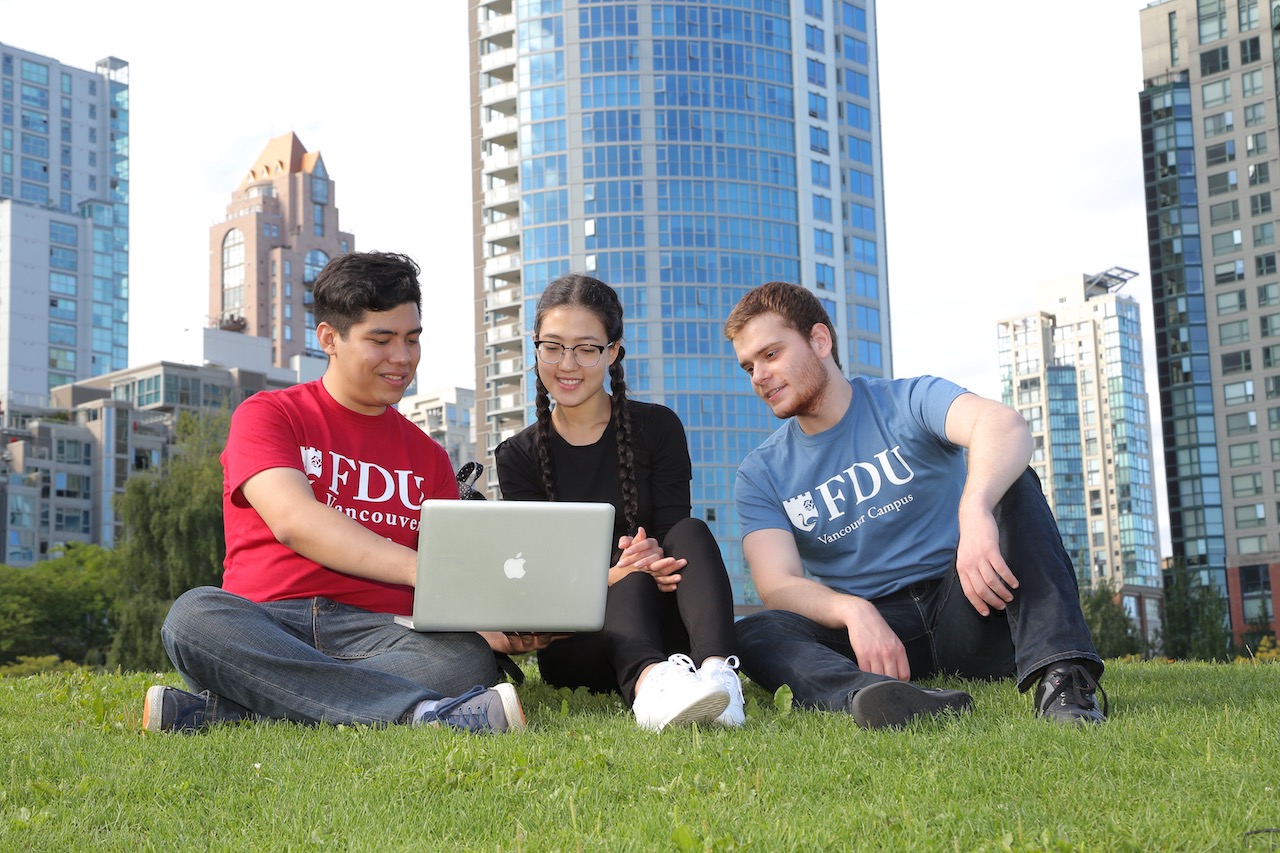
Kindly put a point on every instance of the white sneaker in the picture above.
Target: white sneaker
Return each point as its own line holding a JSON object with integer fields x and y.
{"x": 672, "y": 692}
{"x": 722, "y": 672}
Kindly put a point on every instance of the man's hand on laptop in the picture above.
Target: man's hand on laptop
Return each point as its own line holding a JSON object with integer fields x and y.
{"x": 520, "y": 642}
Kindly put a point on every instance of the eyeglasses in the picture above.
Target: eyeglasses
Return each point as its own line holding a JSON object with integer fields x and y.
{"x": 585, "y": 355}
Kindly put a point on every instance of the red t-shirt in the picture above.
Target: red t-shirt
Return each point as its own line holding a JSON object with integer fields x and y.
{"x": 375, "y": 468}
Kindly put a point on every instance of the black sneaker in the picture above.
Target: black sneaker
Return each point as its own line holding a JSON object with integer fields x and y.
{"x": 168, "y": 709}
{"x": 1067, "y": 695}
{"x": 481, "y": 710}
{"x": 892, "y": 704}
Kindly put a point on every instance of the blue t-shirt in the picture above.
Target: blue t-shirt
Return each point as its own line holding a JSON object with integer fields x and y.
{"x": 872, "y": 501}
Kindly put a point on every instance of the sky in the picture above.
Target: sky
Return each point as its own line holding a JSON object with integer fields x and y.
{"x": 1010, "y": 135}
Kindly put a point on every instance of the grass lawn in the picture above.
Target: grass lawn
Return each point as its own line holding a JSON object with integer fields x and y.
{"x": 1189, "y": 761}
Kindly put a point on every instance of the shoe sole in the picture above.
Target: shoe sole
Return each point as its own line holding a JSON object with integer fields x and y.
{"x": 893, "y": 704}
{"x": 153, "y": 709}
{"x": 511, "y": 707}
{"x": 703, "y": 710}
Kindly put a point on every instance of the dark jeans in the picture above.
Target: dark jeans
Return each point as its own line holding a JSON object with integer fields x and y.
{"x": 643, "y": 625}
{"x": 941, "y": 631}
{"x": 314, "y": 660}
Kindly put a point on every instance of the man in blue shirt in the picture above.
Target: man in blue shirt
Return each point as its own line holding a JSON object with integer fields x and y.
{"x": 894, "y": 531}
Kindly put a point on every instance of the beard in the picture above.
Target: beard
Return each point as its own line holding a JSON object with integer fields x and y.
{"x": 806, "y": 390}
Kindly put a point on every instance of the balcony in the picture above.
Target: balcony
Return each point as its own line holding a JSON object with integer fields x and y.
{"x": 501, "y": 98}
{"x": 505, "y": 232}
{"x": 494, "y": 60}
{"x": 505, "y": 198}
{"x": 505, "y": 267}
{"x": 503, "y": 163}
{"x": 499, "y": 28}
{"x": 501, "y": 131}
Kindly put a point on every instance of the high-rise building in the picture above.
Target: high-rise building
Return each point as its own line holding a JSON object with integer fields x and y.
{"x": 448, "y": 416}
{"x": 683, "y": 152}
{"x": 64, "y": 225}
{"x": 1210, "y": 138}
{"x": 1074, "y": 370}
{"x": 280, "y": 229}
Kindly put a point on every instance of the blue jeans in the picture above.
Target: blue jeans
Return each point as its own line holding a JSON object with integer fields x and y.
{"x": 939, "y": 628}
{"x": 313, "y": 660}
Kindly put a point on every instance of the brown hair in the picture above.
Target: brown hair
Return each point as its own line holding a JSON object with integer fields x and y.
{"x": 582, "y": 291}
{"x": 797, "y": 307}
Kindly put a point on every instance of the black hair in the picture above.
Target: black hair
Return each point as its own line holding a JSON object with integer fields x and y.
{"x": 351, "y": 284}
{"x": 582, "y": 291}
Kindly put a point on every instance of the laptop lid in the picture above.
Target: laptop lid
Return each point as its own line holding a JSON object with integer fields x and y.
{"x": 512, "y": 566}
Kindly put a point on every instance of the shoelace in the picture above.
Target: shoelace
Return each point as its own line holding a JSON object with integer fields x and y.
{"x": 454, "y": 714}
{"x": 683, "y": 662}
{"x": 1076, "y": 686}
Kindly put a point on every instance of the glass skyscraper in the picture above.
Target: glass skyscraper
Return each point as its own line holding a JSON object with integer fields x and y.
{"x": 64, "y": 225}
{"x": 683, "y": 152}
{"x": 1209, "y": 121}
{"x": 1074, "y": 371}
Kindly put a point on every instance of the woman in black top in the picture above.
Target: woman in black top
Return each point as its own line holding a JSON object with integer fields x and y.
{"x": 667, "y": 643}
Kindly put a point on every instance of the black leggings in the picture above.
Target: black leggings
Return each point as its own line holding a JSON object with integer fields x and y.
{"x": 643, "y": 625}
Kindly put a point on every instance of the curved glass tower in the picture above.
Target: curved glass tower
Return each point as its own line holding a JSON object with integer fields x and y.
{"x": 684, "y": 153}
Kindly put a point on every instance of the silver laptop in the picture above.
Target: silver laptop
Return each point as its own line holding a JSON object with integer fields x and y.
{"x": 512, "y": 566}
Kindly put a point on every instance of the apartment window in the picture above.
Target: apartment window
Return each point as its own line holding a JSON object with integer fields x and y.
{"x": 818, "y": 106}
{"x": 1269, "y": 325}
{"x": 1223, "y": 152}
{"x": 1216, "y": 94}
{"x": 1224, "y": 212}
{"x": 1237, "y": 393}
{"x": 817, "y": 72}
{"x": 1272, "y": 386}
{"x": 1246, "y": 485}
{"x": 1239, "y": 455}
{"x": 1251, "y": 545}
{"x": 1255, "y": 114}
{"x": 1236, "y": 362}
{"x": 1264, "y": 234}
{"x": 1259, "y": 173}
{"x": 820, "y": 174}
{"x": 1228, "y": 271}
{"x": 1271, "y": 356}
{"x": 1214, "y": 61}
{"x": 1218, "y": 124}
{"x": 822, "y": 208}
{"x": 1260, "y": 204}
{"x": 819, "y": 140}
{"x": 1251, "y": 84}
{"x": 1231, "y": 302}
{"x": 1242, "y": 423}
{"x": 1228, "y": 241}
{"x": 813, "y": 38}
{"x": 1273, "y": 418}
{"x": 1264, "y": 265}
{"x": 813, "y": 8}
{"x": 1223, "y": 182}
{"x": 1235, "y": 332}
{"x": 1269, "y": 294}
{"x": 1250, "y": 515}
{"x": 1212, "y": 20}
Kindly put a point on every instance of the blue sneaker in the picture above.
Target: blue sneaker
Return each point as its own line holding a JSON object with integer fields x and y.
{"x": 481, "y": 710}
{"x": 168, "y": 709}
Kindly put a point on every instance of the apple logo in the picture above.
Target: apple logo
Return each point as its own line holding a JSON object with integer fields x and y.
{"x": 514, "y": 567}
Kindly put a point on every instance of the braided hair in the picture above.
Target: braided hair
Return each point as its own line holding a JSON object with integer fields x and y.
{"x": 582, "y": 291}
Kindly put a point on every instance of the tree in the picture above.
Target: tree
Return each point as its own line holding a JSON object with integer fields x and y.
{"x": 1114, "y": 634}
{"x": 57, "y": 607}
{"x": 173, "y": 539}
{"x": 1195, "y": 617}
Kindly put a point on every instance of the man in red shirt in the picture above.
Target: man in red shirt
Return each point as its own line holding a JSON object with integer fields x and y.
{"x": 321, "y": 491}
